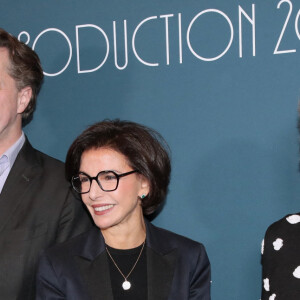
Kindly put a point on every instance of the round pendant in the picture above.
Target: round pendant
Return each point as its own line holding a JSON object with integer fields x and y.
{"x": 126, "y": 285}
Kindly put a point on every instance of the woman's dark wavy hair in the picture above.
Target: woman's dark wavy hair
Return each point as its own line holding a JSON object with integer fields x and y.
{"x": 144, "y": 148}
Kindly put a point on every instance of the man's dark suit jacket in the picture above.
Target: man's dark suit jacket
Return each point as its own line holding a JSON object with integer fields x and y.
{"x": 37, "y": 210}
{"x": 177, "y": 268}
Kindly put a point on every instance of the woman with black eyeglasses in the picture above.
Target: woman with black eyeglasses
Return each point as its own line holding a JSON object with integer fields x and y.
{"x": 121, "y": 170}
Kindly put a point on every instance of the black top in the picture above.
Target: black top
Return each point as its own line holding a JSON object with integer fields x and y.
{"x": 281, "y": 260}
{"x": 125, "y": 260}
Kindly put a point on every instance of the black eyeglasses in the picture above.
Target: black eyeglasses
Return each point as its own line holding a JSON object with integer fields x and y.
{"x": 107, "y": 180}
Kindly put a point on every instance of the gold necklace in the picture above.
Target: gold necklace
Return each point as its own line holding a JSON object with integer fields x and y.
{"x": 126, "y": 284}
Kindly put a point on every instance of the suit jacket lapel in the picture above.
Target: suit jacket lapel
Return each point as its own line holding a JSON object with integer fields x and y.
{"x": 18, "y": 181}
{"x": 94, "y": 268}
{"x": 161, "y": 262}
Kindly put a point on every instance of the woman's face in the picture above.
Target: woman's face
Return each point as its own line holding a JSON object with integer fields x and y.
{"x": 119, "y": 207}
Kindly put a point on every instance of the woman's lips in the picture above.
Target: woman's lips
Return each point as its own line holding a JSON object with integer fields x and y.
{"x": 102, "y": 209}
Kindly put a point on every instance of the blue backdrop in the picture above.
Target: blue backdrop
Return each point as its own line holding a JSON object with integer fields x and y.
{"x": 220, "y": 81}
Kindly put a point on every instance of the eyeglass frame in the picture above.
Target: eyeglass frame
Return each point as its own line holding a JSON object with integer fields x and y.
{"x": 118, "y": 176}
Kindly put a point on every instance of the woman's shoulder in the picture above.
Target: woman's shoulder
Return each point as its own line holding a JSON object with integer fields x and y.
{"x": 188, "y": 252}
{"x": 168, "y": 238}
{"x": 284, "y": 225}
{"x": 73, "y": 246}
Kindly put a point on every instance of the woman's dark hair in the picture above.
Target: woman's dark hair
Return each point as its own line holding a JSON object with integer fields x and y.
{"x": 144, "y": 148}
{"x": 25, "y": 68}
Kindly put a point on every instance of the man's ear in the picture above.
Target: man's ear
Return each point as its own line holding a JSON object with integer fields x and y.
{"x": 24, "y": 97}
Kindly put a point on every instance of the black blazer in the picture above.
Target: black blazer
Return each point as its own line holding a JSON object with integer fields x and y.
{"x": 177, "y": 268}
{"x": 37, "y": 210}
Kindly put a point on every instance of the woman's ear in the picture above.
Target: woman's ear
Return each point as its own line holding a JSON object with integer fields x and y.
{"x": 145, "y": 187}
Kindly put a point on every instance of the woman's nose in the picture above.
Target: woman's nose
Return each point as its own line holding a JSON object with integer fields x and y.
{"x": 95, "y": 191}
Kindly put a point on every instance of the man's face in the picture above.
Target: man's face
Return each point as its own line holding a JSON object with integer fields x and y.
{"x": 12, "y": 103}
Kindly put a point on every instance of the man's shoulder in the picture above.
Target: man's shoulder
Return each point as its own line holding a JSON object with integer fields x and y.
{"x": 48, "y": 160}
{"x": 46, "y": 170}
{"x": 40, "y": 158}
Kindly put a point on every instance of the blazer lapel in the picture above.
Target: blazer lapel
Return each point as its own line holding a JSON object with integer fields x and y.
{"x": 160, "y": 271}
{"x": 96, "y": 277}
{"x": 94, "y": 268}
{"x": 21, "y": 176}
{"x": 161, "y": 262}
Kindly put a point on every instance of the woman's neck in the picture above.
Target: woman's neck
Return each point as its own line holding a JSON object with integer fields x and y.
{"x": 123, "y": 236}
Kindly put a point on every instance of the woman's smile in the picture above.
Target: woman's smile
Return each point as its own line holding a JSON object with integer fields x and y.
{"x": 102, "y": 209}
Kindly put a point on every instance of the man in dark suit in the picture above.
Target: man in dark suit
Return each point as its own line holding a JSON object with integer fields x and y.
{"x": 37, "y": 208}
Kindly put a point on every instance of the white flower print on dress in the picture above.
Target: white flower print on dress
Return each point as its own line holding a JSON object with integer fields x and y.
{"x": 278, "y": 244}
{"x": 293, "y": 219}
{"x": 296, "y": 273}
{"x": 267, "y": 284}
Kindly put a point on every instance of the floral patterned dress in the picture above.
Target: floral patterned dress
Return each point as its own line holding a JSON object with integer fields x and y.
{"x": 281, "y": 260}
